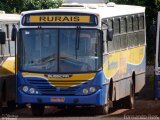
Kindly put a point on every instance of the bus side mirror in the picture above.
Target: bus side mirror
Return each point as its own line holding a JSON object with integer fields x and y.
{"x": 109, "y": 34}
{"x": 14, "y": 34}
{"x": 2, "y": 38}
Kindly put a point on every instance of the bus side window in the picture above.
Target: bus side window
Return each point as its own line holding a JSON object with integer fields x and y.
{"x": 130, "y": 31}
{"x": 104, "y": 29}
{"x": 116, "y": 37}
{"x": 110, "y": 43}
{"x": 123, "y": 33}
{"x": 141, "y": 32}
{"x": 141, "y": 22}
{"x": 136, "y": 28}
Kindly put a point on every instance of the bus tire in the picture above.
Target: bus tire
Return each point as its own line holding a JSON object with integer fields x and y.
{"x": 37, "y": 109}
{"x": 11, "y": 104}
{"x": 102, "y": 110}
{"x": 130, "y": 102}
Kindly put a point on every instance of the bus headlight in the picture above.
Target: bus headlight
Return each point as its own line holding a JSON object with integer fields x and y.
{"x": 25, "y": 88}
{"x": 92, "y": 89}
{"x": 89, "y": 90}
{"x": 85, "y": 91}
{"x": 32, "y": 90}
{"x": 29, "y": 90}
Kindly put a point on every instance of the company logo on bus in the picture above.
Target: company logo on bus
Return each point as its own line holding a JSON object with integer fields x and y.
{"x": 58, "y": 76}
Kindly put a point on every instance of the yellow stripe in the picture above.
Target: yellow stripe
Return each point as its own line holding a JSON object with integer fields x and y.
{"x": 118, "y": 61}
{"x": 74, "y": 76}
{"x": 75, "y": 79}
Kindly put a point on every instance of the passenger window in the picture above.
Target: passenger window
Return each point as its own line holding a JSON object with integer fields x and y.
{"x": 123, "y": 25}
{"x": 110, "y": 23}
{"x": 141, "y": 37}
{"x": 116, "y": 37}
{"x": 110, "y": 46}
{"x": 117, "y": 42}
{"x": 124, "y": 42}
{"x": 130, "y": 39}
{"x": 110, "y": 43}
{"x": 141, "y": 22}
{"x": 117, "y": 26}
{"x": 141, "y": 33}
{"x": 135, "y": 37}
{"x": 135, "y": 23}
{"x": 123, "y": 37}
{"x": 130, "y": 24}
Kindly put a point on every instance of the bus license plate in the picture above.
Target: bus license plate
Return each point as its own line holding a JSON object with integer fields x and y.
{"x": 57, "y": 99}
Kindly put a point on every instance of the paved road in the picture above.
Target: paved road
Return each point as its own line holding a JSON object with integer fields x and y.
{"x": 144, "y": 109}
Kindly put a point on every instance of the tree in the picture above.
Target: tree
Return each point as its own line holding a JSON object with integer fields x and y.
{"x": 17, "y": 6}
{"x": 11, "y": 6}
{"x": 41, "y": 4}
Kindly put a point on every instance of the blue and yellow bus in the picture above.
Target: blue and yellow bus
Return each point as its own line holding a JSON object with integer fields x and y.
{"x": 81, "y": 55}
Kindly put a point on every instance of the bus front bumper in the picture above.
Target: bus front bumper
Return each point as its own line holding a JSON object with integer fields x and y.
{"x": 94, "y": 99}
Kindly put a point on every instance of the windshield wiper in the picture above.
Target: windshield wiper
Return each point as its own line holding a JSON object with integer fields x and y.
{"x": 44, "y": 60}
{"x": 77, "y": 40}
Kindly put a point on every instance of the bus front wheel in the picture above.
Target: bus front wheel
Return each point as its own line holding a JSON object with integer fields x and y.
{"x": 37, "y": 109}
{"x": 132, "y": 97}
{"x": 130, "y": 100}
{"x": 102, "y": 110}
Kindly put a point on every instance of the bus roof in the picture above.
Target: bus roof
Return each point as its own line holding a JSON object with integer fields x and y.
{"x": 85, "y": 1}
{"x": 9, "y": 17}
{"x": 103, "y": 10}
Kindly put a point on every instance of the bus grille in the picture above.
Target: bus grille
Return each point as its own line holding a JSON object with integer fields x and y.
{"x": 47, "y": 89}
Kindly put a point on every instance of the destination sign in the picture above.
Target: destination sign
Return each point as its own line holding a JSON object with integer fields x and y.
{"x": 56, "y": 19}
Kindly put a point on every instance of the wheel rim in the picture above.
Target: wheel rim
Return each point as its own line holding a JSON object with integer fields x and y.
{"x": 132, "y": 97}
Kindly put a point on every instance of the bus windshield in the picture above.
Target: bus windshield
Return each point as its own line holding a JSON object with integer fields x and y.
{"x": 61, "y": 50}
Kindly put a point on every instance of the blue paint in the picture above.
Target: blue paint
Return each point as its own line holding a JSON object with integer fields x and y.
{"x": 71, "y": 94}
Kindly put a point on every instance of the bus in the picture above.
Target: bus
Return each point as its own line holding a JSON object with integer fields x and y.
{"x": 7, "y": 58}
{"x": 81, "y": 55}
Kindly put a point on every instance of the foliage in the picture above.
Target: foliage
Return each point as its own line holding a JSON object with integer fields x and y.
{"x": 11, "y": 6}
{"x": 41, "y": 4}
{"x": 17, "y": 6}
